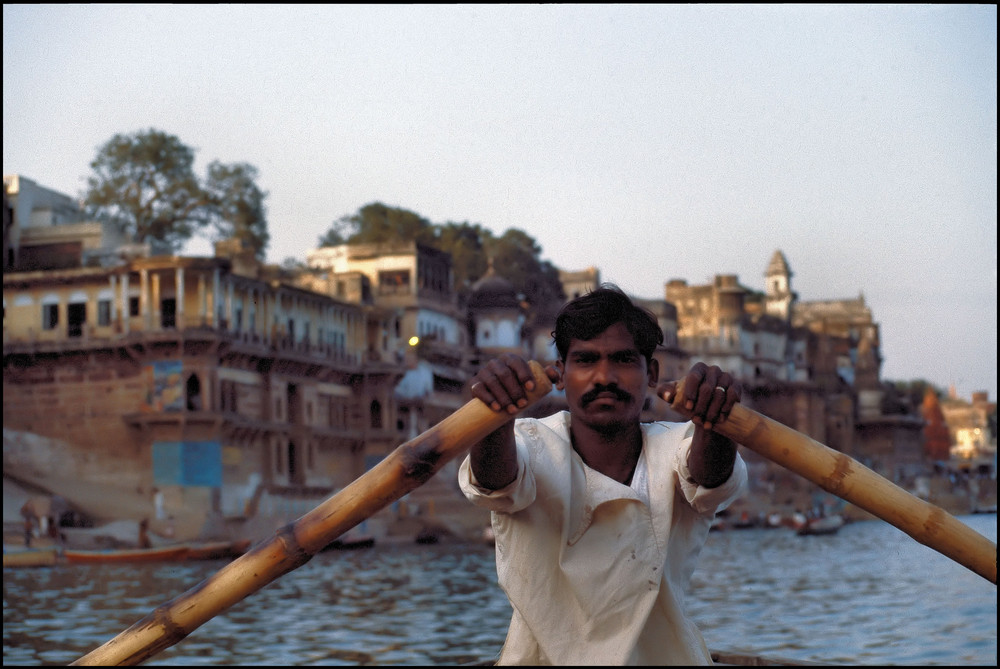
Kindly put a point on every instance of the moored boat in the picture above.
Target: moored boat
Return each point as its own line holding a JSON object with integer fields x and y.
{"x": 165, "y": 553}
{"x": 351, "y": 540}
{"x": 216, "y": 550}
{"x": 30, "y": 557}
{"x": 821, "y": 525}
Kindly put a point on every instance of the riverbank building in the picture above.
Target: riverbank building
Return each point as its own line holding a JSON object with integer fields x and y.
{"x": 222, "y": 397}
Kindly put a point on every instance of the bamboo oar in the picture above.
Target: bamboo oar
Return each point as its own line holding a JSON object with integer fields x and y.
{"x": 406, "y": 468}
{"x": 845, "y": 477}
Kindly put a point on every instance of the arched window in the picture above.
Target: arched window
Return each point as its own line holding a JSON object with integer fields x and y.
{"x": 193, "y": 393}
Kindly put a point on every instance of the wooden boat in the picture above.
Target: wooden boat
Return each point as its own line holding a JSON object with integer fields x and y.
{"x": 165, "y": 553}
{"x": 821, "y": 525}
{"x": 350, "y": 541}
{"x": 30, "y": 557}
{"x": 216, "y": 550}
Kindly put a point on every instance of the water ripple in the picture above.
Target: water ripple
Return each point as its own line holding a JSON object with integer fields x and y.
{"x": 867, "y": 595}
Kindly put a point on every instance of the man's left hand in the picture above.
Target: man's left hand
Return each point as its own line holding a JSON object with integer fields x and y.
{"x": 709, "y": 394}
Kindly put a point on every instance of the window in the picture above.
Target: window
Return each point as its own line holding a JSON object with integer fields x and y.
{"x": 76, "y": 317}
{"x": 133, "y": 306}
{"x": 168, "y": 312}
{"x": 337, "y": 413}
{"x": 227, "y": 395}
{"x": 394, "y": 282}
{"x": 193, "y": 393}
{"x": 104, "y": 312}
{"x": 50, "y": 316}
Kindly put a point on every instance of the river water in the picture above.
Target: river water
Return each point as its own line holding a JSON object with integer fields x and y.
{"x": 869, "y": 594}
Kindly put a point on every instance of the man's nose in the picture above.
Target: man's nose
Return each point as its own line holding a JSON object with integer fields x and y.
{"x": 604, "y": 373}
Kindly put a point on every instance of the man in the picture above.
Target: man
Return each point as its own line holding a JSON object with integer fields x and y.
{"x": 599, "y": 518}
{"x": 29, "y": 514}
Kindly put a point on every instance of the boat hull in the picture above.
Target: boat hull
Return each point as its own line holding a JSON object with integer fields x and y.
{"x": 31, "y": 557}
{"x": 170, "y": 553}
{"x": 822, "y": 525}
{"x": 216, "y": 550}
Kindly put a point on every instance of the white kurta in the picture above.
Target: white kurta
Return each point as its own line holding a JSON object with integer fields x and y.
{"x": 596, "y": 571}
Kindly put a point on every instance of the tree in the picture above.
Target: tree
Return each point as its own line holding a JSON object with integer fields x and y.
{"x": 465, "y": 243}
{"x": 906, "y": 397}
{"x": 515, "y": 253}
{"x": 333, "y": 236}
{"x": 377, "y": 223}
{"x": 145, "y": 184}
{"x": 237, "y": 205}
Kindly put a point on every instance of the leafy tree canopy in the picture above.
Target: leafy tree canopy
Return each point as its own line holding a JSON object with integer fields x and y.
{"x": 467, "y": 245}
{"x": 515, "y": 254}
{"x": 237, "y": 205}
{"x": 145, "y": 184}
{"x": 906, "y": 397}
{"x": 377, "y": 223}
{"x": 517, "y": 257}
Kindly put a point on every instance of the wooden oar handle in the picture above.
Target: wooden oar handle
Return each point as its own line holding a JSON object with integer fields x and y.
{"x": 403, "y": 470}
{"x": 845, "y": 477}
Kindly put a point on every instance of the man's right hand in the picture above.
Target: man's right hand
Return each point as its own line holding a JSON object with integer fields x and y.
{"x": 504, "y": 382}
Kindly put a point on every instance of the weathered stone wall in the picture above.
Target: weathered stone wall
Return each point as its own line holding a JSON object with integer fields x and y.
{"x": 79, "y": 400}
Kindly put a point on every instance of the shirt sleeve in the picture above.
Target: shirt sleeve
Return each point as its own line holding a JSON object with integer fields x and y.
{"x": 516, "y": 495}
{"x": 704, "y": 500}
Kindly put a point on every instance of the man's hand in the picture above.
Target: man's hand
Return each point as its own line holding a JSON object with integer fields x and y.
{"x": 504, "y": 382}
{"x": 709, "y": 394}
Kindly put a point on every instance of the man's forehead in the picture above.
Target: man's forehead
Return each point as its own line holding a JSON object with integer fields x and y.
{"x": 616, "y": 339}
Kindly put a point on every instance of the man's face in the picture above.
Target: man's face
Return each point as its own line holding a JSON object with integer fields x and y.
{"x": 605, "y": 379}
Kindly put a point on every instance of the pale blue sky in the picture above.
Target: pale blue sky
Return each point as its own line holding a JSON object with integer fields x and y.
{"x": 650, "y": 141}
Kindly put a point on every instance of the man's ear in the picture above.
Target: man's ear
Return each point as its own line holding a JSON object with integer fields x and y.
{"x": 561, "y": 368}
{"x": 653, "y": 372}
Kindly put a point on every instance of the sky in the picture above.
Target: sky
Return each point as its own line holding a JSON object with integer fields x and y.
{"x": 653, "y": 142}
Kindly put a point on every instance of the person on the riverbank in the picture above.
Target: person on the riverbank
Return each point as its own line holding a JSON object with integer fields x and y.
{"x": 30, "y": 517}
{"x": 144, "y": 540}
{"x": 598, "y": 518}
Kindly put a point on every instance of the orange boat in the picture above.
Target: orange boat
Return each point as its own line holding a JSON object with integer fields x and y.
{"x": 126, "y": 554}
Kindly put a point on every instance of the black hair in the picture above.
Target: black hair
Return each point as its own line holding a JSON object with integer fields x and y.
{"x": 589, "y": 315}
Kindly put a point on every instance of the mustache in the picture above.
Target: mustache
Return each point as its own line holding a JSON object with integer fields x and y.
{"x": 591, "y": 395}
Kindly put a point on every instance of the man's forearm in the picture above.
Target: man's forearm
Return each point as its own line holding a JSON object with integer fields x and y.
{"x": 711, "y": 459}
{"x": 494, "y": 459}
